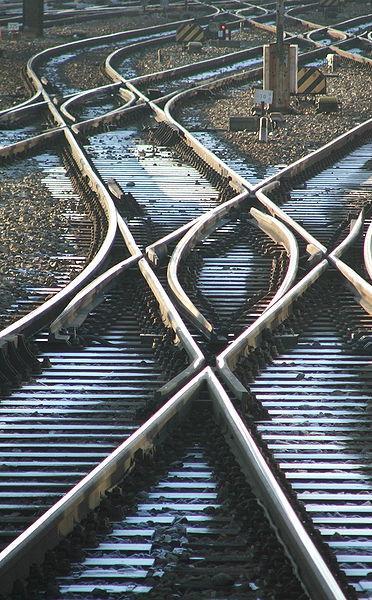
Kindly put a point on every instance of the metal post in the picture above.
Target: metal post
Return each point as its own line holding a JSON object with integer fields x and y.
{"x": 33, "y": 16}
{"x": 263, "y": 132}
{"x": 280, "y": 29}
{"x": 282, "y": 84}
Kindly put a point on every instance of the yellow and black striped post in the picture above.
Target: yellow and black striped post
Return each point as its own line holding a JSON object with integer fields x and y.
{"x": 311, "y": 81}
{"x": 190, "y": 32}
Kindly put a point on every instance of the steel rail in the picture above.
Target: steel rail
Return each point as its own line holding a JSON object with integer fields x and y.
{"x": 350, "y": 55}
{"x": 64, "y": 17}
{"x": 75, "y": 313}
{"x": 236, "y": 181}
{"x": 206, "y": 155}
{"x": 91, "y": 93}
{"x": 367, "y": 251}
{"x": 354, "y": 21}
{"x": 157, "y": 252}
{"x": 58, "y": 521}
{"x": 78, "y": 309}
{"x": 103, "y": 12}
{"x": 281, "y": 235}
{"x": 241, "y": 182}
{"x": 34, "y": 99}
{"x": 356, "y": 228}
{"x": 189, "y": 239}
{"x": 361, "y": 289}
{"x": 278, "y": 312}
{"x": 198, "y": 319}
{"x": 172, "y": 320}
{"x": 330, "y": 31}
{"x": 201, "y": 230}
{"x": 298, "y": 9}
{"x": 115, "y": 116}
{"x": 119, "y": 36}
{"x": 23, "y": 146}
{"x": 111, "y": 118}
{"x": 313, "y": 158}
{"x": 251, "y": 337}
{"x": 119, "y": 79}
{"x": 315, "y": 245}
{"x": 314, "y": 572}
{"x": 12, "y": 115}
{"x": 194, "y": 67}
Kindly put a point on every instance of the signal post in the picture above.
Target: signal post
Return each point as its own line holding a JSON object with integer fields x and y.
{"x": 280, "y": 65}
{"x": 33, "y": 17}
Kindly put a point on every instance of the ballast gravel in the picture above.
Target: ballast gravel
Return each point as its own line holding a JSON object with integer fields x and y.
{"x": 33, "y": 227}
{"x": 302, "y": 132}
{"x": 177, "y": 55}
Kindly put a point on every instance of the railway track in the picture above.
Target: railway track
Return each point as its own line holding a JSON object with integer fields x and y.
{"x": 176, "y": 530}
{"x": 347, "y": 189}
{"x": 157, "y": 500}
{"x": 316, "y": 396}
{"x": 91, "y": 396}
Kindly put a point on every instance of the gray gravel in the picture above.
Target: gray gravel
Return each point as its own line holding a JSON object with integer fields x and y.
{"x": 302, "y": 132}
{"x": 175, "y": 55}
{"x": 33, "y": 226}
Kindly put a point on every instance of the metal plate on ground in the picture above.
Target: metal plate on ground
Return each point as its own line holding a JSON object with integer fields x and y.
{"x": 311, "y": 80}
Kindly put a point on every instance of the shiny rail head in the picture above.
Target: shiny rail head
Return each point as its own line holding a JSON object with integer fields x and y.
{"x": 31, "y": 546}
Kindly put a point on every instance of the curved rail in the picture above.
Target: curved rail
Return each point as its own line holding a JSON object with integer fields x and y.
{"x": 172, "y": 320}
{"x": 250, "y": 338}
{"x": 355, "y": 231}
{"x": 12, "y": 115}
{"x": 360, "y": 287}
{"x": 236, "y": 181}
{"x": 330, "y": 31}
{"x": 278, "y": 312}
{"x": 281, "y": 235}
{"x": 93, "y": 92}
{"x": 367, "y": 251}
{"x": 88, "y": 298}
{"x": 194, "y": 67}
{"x": 34, "y": 99}
{"x": 275, "y": 210}
{"x": 78, "y": 309}
{"x": 202, "y": 228}
{"x": 23, "y": 146}
{"x": 119, "y": 36}
{"x": 315, "y": 157}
